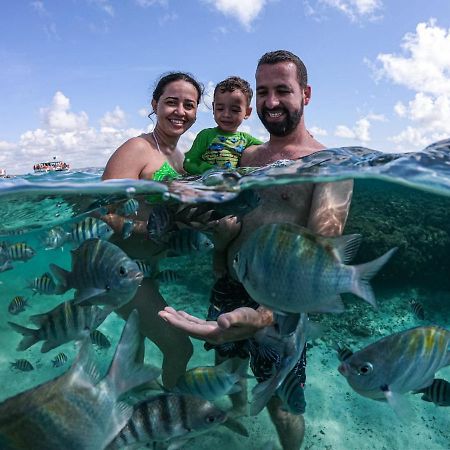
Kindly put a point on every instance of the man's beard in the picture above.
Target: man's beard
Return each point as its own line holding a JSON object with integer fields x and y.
{"x": 285, "y": 127}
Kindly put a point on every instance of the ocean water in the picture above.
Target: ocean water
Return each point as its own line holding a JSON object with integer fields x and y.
{"x": 399, "y": 200}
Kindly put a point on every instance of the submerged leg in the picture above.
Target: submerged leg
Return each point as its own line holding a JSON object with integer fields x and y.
{"x": 290, "y": 427}
{"x": 175, "y": 345}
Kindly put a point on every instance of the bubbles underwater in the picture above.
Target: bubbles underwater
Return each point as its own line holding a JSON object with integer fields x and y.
{"x": 399, "y": 200}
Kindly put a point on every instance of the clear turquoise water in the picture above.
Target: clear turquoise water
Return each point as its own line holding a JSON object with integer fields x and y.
{"x": 401, "y": 200}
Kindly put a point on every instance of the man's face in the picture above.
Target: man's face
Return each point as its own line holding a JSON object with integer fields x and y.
{"x": 279, "y": 97}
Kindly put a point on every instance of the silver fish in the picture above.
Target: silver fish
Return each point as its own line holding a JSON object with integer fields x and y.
{"x": 417, "y": 309}
{"x": 99, "y": 339}
{"x": 287, "y": 268}
{"x": 289, "y": 347}
{"x": 399, "y": 363}
{"x": 23, "y": 365}
{"x": 55, "y": 238}
{"x": 101, "y": 273}
{"x": 166, "y": 417}
{"x": 130, "y": 207}
{"x": 78, "y": 410}
{"x": 17, "y": 305}
{"x": 212, "y": 382}
{"x": 292, "y": 395}
{"x": 62, "y": 324}
{"x": 438, "y": 392}
{"x": 187, "y": 242}
{"x": 90, "y": 228}
{"x": 43, "y": 285}
{"x": 4, "y": 266}
{"x": 59, "y": 360}
{"x": 20, "y": 252}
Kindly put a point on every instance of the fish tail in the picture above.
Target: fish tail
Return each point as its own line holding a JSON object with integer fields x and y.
{"x": 30, "y": 336}
{"x": 365, "y": 272}
{"x": 125, "y": 373}
{"x": 62, "y": 277}
{"x": 261, "y": 394}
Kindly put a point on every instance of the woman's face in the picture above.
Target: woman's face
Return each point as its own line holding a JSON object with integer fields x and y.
{"x": 176, "y": 109}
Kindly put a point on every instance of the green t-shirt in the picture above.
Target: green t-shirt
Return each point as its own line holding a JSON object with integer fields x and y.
{"x": 216, "y": 148}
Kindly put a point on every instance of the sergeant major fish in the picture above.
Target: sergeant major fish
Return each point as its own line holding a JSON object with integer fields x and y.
{"x": 417, "y": 309}
{"x": 19, "y": 252}
{"x": 166, "y": 417}
{"x": 17, "y": 305}
{"x": 23, "y": 365}
{"x": 212, "y": 383}
{"x": 43, "y": 285}
{"x": 59, "y": 360}
{"x": 287, "y": 268}
{"x": 90, "y": 228}
{"x": 397, "y": 364}
{"x": 437, "y": 392}
{"x": 62, "y": 324}
{"x": 102, "y": 274}
{"x": 78, "y": 410}
{"x": 99, "y": 339}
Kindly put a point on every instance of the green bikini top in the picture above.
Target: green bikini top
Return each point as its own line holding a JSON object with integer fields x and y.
{"x": 165, "y": 173}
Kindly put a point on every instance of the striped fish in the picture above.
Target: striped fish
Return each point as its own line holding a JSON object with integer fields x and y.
{"x": 90, "y": 228}
{"x": 399, "y": 363}
{"x": 292, "y": 395}
{"x": 213, "y": 382}
{"x": 55, "y": 238}
{"x": 129, "y": 208}
{"x": 20, "y": 252}
{"x": 99, "y": 339}
{"x": 343, "y": 352}
{"x": 438, "y": 392}
{"x": 43, "y": 285}
{"x": 59, "y": 360}
{"x": 65, "y": 323}
{"x": 166, "y": 417}
{"x": 127, "y": 228}
{"x": 77, "y": 410}
{"x": 17, "y": 305}
{"x": 289, "y": 269}
{"x": 168, "y": 276}
{"x": 23, "y": 365}
{"x": 146, "y": 268}
{"x": 159, "y": 222}
{"x": 417, "y": 309}
{"x": 102, "y": 274}
{"x": 187, "y": 242}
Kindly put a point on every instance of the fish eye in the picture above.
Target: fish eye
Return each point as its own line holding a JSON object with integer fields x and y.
{"x": 122, "y": 271}
{"x": 210, "y": 419}
{"x": 236, "y": 259}
{"x": 365, "y": 369}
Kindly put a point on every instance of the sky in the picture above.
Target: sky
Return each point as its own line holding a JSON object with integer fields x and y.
{"x": 76, "y": 76}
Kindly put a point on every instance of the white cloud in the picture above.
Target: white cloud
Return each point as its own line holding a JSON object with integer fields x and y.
{"x": 115, "y": 118}
{"x": 424, "y": 67}
{"x": 355, "y": 10}
{"x": 361, "y": 130}
{"x": 245, "y": 11}
{"x": 39, "y": 7}
{"x": 68, "y": 136}
{"x": 147, "y": 3}
{"x": 317, "y": 131}
{"x": 57, "y": 117}
{"x": 104, "y": 5}
{"x": 143, "y": 112}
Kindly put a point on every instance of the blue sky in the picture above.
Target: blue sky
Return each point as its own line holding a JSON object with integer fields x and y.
{"x": 77, "y": 75}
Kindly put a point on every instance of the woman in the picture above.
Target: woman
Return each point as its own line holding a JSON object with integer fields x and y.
{"x": 155, "y": 156}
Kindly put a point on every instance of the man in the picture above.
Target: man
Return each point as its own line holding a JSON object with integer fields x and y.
{"x": 282, "y": 91}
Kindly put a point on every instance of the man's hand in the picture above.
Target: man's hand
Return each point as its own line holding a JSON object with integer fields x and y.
{"x": 242, "y": 323}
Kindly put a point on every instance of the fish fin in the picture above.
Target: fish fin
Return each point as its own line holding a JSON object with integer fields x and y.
{"x": 38, "y": 319}
{"x": 364, "y": 273}
{"x": 261, "y": 394}
{"x": 235, "y": 389}
{"x": 124, "y": 373}
{"x": 30, "y": 336}
{"x": 48, "y": 345}
{"x": 236, "y": 426}
{"x": 82, "y": 295}
{"x": 345, "y": 247}
{"x": 177, "y": 443}
{"x": 400, "y": 405}
{"x": 62, "y": 278}
{"x": 426, "y": 398}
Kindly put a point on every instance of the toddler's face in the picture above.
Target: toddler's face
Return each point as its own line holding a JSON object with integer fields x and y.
{"x": 230, "y": 109}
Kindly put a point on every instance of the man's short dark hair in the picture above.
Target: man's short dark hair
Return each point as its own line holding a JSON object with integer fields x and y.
{"x": 286, "y": 56}
{"x": 231, "y": 84}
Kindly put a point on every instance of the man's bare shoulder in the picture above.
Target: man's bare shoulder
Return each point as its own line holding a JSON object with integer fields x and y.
{"x": 252, "y": 156}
